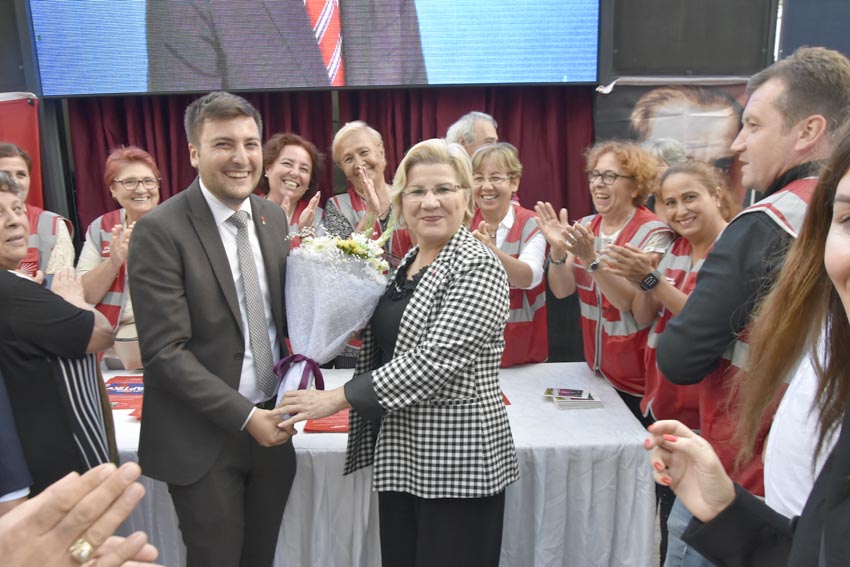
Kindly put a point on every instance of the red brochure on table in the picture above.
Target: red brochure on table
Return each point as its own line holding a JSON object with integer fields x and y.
{"x": 336, "y": 423}
{"x": 125, "y": 393}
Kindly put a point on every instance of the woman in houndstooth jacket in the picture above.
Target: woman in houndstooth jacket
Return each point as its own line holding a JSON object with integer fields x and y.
{"x": 428, "y": 411}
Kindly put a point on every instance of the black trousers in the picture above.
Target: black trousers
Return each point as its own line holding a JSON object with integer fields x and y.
{"x": 444, "y": 532}
{"x": 232, "y": 516}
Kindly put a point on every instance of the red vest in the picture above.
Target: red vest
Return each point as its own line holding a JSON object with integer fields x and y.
{"x": 354, "y": 208}
{"x": 787, "y": 208}
{"x": 614, "y": 343}
{"x": 42, "y": 238}
{"x": 663, "y": 399}
{"x": 526, "y": 333}
{"x": 100, "y": 233}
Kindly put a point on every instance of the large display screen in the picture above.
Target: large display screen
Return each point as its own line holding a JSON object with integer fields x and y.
{"x": 136, "y": 46}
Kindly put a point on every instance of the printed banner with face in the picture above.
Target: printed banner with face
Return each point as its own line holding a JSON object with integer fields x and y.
{"x": 699, "y": 121}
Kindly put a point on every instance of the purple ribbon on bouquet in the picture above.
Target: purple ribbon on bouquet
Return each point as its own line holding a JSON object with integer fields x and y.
{"x": 311, "y": 366}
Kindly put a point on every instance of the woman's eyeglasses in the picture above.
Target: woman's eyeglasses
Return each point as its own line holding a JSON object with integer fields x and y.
{"x": 132, "y": 183}
{"x": 419, "y": 193}
{"x": 479, "y": 180}
{"x": 608, "y": 177}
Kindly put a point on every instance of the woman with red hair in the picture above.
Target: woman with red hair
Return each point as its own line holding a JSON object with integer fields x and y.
{"x": 133, "y": 179}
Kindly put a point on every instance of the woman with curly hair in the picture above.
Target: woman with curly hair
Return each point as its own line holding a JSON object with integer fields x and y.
{"x": 621, "y": 176}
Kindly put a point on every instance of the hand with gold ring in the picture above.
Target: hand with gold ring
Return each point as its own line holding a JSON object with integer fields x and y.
{"x": 71, "y": 523}
{"x": 81, "y": 550}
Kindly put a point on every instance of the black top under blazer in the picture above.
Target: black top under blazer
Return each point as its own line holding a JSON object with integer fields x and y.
{"x": 445, "y": 431}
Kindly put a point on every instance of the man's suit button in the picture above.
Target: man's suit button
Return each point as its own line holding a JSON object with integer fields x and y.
{"x": 239, "y": 356}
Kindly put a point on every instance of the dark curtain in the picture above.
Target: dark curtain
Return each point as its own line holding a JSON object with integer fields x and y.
{"x": 155, "y": 124}
{"x": 550, "y": 126}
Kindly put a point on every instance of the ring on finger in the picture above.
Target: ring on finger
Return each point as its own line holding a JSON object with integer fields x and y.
{"x": 81, "y": 550}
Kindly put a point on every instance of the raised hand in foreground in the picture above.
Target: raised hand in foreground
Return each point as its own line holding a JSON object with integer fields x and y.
{"x": 72, "y": 522}
{"x": 685, "y": 462}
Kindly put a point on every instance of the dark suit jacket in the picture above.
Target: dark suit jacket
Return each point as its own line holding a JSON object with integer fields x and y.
{"x": 749, "y": 534}
{"x": 196, "y": 45}
{"x": 190, "y": 330}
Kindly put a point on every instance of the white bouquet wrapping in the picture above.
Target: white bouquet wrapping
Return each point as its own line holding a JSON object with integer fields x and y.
{"x": 332, "y": 288}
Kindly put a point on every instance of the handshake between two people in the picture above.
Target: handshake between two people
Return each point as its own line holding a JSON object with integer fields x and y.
{"x": 277, "y": 426}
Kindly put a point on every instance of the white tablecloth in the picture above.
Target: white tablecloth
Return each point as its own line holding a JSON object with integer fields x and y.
{"x": 585, "y": 496}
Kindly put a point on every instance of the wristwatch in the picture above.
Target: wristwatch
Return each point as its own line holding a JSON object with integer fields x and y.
{"x": 593, "y": 266}
{"x": 558, "y": 262}
{"x": 650, "y": 280}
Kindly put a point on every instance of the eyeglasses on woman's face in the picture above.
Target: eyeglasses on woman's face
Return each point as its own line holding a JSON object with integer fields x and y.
{"x": 416, "y": 194}
{"x": 132, "y": 183}
{"x": 608, "y": 177}
{"x": 494, "y": 180}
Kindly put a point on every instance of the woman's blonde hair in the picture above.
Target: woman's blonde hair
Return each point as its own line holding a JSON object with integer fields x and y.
{"x": 504, "y": 155}
{"x": 348, "y": 129}
{"x": 434, "y": 152}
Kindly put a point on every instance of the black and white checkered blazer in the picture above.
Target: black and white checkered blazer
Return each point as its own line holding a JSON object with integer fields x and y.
{"x": 445, "y": 433}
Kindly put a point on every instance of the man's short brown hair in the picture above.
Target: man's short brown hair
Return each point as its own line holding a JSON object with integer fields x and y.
{"x": 217, "y": 106}
{"x": 817, "y": 81}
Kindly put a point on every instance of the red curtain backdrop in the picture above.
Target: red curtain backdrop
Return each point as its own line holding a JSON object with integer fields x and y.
{"x": 155, "y": 124}
{"x": 19, "y": 126}
{"x": 551, "y": 126}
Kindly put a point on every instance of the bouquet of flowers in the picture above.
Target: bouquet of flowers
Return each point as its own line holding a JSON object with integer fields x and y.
{"x": 332, "y": 287}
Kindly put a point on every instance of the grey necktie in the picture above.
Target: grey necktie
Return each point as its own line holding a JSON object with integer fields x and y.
{"x": 258, "y": 330}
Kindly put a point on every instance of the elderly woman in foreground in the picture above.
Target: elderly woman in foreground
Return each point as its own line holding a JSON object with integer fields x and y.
{"x": 47, "y": 341}
{"x": 427, "y": 409}
{"x": 50, "y": 245}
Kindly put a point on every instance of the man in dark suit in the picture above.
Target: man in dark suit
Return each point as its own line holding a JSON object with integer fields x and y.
{"x": 260, "y": 44}
{"x": 203, "y": 314}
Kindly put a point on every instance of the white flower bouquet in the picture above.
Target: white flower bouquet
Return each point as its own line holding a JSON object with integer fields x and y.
{"x": 332, "y": 287}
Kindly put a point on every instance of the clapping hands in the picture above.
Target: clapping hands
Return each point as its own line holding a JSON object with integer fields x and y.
{"x": 564, "y": 237}
{"x": 120, "y": 244}
{"x": 629, "y": 262}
